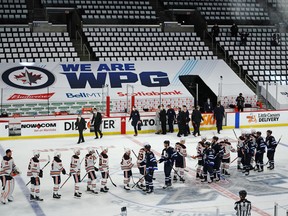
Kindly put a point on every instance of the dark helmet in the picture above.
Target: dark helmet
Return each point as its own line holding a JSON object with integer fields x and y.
{"x": 269, "y": 131}
{"x": 215, "y": 138}
{"x": 207, "y": 144}
{"x": 242, "y": 193}
{"x": 167, "y": 142}
{"x": 258, "y": 133}
{"x": 147, "y": 146}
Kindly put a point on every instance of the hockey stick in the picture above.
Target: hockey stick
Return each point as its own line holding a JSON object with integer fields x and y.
{"x": 235, "y": 134}
{"x": 233, "y": 160}
{"x": 181, "y": 179}
{"x": 108, "y": 173}
{"x": 41, "y": 169}
{"x": 69, "y": 176}
{"x": 140, "y": 179}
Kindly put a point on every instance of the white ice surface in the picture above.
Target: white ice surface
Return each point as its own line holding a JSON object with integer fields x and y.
{"x": 190, "y": 198}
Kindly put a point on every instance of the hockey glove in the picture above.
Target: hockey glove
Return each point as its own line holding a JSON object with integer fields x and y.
{"x": 41, "y": 173}
{"x": 64, "y": 172}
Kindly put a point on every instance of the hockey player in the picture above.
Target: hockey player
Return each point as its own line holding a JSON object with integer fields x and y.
{"x": 126, "y": 166}
{"x": 35, "y": 173}
{"x": 226, "y": 156}
{"x": 168, "y": 155}
{"x": 56, "y": 169}
{"x": 75, "y": 170}
{"x": 142, "y": 168}
{"x": 260, "y": 150}
{"x": 8, "y": 169}
{"x": 243, "y": 206}
{"x": 90, "y": 161}
{"x": 104, "y": 169}
{"x": 219, "y": 151}
{"x": 240, "y": 155}
{"x": 199, "y": 156}
{"x": 180, "y": 162}
{"x": 151, "y": 165}
{"x": 248, "y": 152}
{"x": 271, "y": 147}
{"x": 208, "y": 162}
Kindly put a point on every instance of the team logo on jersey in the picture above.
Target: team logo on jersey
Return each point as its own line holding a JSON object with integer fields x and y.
{"x": 29, "y": 77}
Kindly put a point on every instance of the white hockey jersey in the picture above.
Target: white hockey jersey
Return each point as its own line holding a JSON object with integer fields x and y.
{"x": 7, "y": 166}
{"x": 75, "y": 165}
{"x": 33, "y": 167}
{"x": 126, "y": 163}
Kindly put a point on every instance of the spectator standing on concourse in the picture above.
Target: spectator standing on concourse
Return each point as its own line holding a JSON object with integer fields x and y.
{"x": 215, "y": 32}
{"x": 240, "y": 100}
{"x": 234, "y": 30}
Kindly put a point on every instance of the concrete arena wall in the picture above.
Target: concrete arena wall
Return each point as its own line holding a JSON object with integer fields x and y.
{"x": 64, "y": 126}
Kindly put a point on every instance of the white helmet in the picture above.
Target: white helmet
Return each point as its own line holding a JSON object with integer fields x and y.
{"x": 105, "y": 149}
{"x": 91, "y": 150}
{"x": 253, "y": 131}
{"x": 226, "y": 138}
{"x": 182, "y": 140}
{"x": 127, "y": 150}
{"x": 36, "y": 153}
{"x": 57, "y": 154}
{"x": 203, "y": 138}
{"x": 77, "y": 151}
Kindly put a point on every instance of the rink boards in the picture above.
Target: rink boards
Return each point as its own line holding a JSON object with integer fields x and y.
{"x": 63, "y": 126}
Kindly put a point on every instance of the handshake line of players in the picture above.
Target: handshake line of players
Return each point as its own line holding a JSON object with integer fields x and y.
{"x": 213, "y": 164}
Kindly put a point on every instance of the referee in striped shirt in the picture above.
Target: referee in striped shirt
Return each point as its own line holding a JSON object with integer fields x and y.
{"x": 243, "y": 206}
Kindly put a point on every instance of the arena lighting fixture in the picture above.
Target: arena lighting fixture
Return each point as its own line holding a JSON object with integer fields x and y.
{"x": 27, "y": 63}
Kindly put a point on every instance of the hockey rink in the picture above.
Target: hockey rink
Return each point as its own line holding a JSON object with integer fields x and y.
{"x": 183, "y": 199}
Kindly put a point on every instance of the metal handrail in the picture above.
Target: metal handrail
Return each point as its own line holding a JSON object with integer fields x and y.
{"x": 81, "y": 40}
{"x": 85, "y": 48}
{"x": 250, "y": 81}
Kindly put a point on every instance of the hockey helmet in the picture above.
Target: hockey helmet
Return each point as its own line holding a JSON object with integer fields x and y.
{"x": 226, "y": 138}
{"x": 182, "y": 141}
{"x": 91, "y": 150}
{"x": 269, "y": 131}
{"x": 77, "y": 151}
{"x": 147, "y": 146}
{"x": 242, "y": 193}
{"x": 36, "y": 154}
{"x": 207, "y": 144}
{"x": 127, "y": 150}
{"x": 215, "y": 138}
{"x": 167, "y": 142}
{"x": 203, "y": 138}
{"x": 57, "y": 154}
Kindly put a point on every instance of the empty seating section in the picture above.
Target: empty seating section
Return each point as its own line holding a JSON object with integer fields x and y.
{"x": 13, "y": 10}
{"x": 223, "y": 10}
{"x": 282, "y": 6}
{"x": 21, "y": 45}
{"x": 145, "y": 43}
{"x": 259, "y": 58}
{"x": 42, "y": 108}
{"x": 128, "y": 10}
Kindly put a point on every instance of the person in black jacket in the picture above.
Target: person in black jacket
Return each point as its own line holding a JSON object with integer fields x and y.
{"x": 181, "y": 119}
{"x": 163, "y": 119}
{"x": 196, "y": 119}
{"x": 171, "y": 118}
{"x": 80, "y": 126}
{"x": 187, "y": 118}
{"x": 208, "y": 107}
{"x": 240, "y": 100}
{"x": 219, "y": 114}
{"x": 97, "y": 121}
{"x": 234, "y": 30}
{"x": 215, "y": 32}
{"x": 135, "y": 116}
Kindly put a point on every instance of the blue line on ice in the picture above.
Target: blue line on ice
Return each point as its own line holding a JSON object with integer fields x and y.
{"x": 34, "y": 205}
